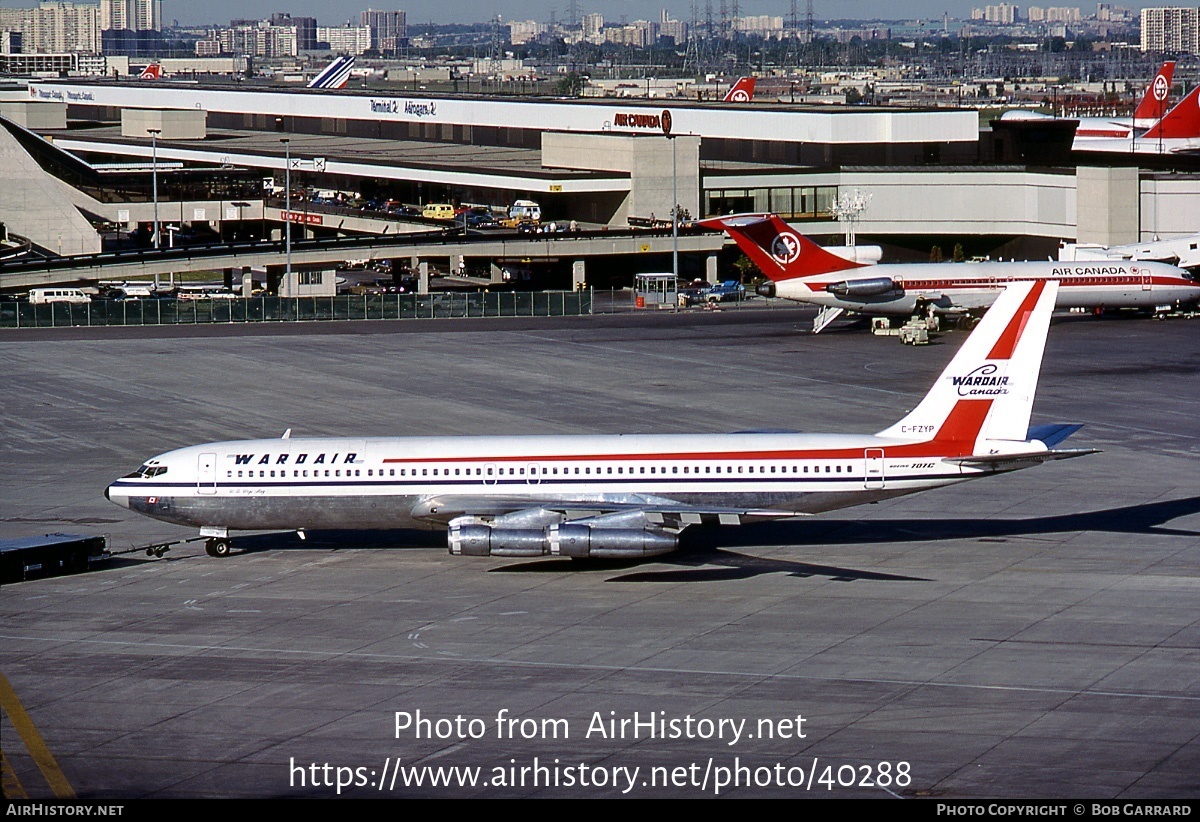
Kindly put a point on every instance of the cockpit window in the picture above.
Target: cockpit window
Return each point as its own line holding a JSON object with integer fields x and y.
{"x": 147, "y": 470}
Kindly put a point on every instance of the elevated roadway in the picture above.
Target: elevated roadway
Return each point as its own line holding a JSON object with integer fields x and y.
{"x": 15, "y": 275}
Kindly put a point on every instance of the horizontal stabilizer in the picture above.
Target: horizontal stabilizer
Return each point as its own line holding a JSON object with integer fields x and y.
{"x": 1007, "y": 462}
{"x": 1051, "y": 435}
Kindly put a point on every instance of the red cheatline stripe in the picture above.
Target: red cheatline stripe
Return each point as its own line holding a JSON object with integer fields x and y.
{"x": 1065, "y": 283}
{"x": 962, "y": 426}
{"x": 935, "y": 448}
{"x": 1003, "y": 349}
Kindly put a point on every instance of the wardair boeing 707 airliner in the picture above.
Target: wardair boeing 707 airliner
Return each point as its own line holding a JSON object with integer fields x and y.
{"x": 619, "y": 495}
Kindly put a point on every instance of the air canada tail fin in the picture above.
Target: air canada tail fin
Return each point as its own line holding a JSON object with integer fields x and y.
{"x": 151, "y": 72}
{"x": 1181, "y": 122}
{"x": 981, "y": 403}
{"x": 775, "y": 247}
{"x": 1154, "y": 103}
{"x": 742, "y": 91}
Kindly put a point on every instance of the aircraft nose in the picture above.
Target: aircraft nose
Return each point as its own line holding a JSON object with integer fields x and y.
{"x": 115, "y": 495}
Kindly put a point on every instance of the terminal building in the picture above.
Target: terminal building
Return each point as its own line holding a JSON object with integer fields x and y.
{"x": 929, "y": 176}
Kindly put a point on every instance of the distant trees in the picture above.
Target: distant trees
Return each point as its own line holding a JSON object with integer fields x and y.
{"x": 571, "y": 85}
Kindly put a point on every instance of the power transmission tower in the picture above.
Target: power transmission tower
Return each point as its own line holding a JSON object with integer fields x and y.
{"x": 496, "y": 51}
{"x": 810, "y": 47}
{"x": 791, "y": 56}
{"x": 692, "y": 57}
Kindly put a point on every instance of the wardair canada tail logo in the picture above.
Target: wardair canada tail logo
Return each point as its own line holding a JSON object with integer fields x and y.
{"x": 981, "y": 382}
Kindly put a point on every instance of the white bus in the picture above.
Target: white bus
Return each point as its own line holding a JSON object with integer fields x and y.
{"x": 41, "y": 296}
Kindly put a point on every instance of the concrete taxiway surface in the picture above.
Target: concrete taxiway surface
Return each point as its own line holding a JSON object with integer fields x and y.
{"x": 1031, "y": 635}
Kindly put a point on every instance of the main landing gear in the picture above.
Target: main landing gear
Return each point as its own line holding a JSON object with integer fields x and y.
{"x": 217, "y": 547}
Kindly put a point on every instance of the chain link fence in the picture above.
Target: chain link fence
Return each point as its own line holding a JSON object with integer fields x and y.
{"x": 295, "y": 309}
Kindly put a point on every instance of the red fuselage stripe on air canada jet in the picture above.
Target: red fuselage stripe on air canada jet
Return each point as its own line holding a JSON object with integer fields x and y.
{"x": 1066, "y": 282}
{"x": 1003, "y": 349}
{"x": 1096, "y": 132}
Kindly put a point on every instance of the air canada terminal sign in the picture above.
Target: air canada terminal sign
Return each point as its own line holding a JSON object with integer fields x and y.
{"x": 643, "y": 122}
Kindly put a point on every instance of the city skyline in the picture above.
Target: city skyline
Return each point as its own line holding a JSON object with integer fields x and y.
{"x": 474, "y": 11}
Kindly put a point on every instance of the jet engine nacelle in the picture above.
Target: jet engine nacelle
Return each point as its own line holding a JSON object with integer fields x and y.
{"x": 558, "y": 540}
{"x": 873, "y": 287}
{"x": 486, "y": 541}
{"x": 766, "y": 289}
{"x": 581, "y": 541}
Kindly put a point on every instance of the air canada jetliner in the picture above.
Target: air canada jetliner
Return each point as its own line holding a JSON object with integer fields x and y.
{"x": 1177, "y": 133}
{"x": 151, "y": 72}
{"x": 741, "y": 92}
{"x": 798, "y": 269}
{"x": 1179, "y": 251}
{"x": 617, "y": 496}
{"x": 1154, "y": 104}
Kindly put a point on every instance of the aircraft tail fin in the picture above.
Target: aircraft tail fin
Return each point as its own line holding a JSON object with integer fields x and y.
{"x": 1181, "y": 122}
{"x": 335, "y": 75}
{"x": 742, "y": 91}
{"x": 1154, "y": 103}
{"x": 775, "y": 247}
{"x": 151, "y": 72}
{"x": 981, "y": 403}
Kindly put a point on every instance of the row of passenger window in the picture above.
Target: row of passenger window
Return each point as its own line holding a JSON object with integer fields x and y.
{"x": 329, "y": 472}
{"x": 492, "y": 471}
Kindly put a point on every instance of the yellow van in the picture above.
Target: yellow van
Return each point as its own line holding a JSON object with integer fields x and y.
{"x": 438, "y": 211}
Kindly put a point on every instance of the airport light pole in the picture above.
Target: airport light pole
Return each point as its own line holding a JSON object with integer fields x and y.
{"x": 287, "y": 203}
{"x": 674, "y": 211}
{"x": 154, "y": 132}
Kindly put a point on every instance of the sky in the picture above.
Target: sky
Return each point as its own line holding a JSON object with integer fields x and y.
{"x": 327, "y": 12}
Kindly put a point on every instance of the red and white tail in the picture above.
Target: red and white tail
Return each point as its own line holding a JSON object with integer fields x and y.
{"x": 1154, "y": 103}
{"x": 781, "y": 252}
{"x": 151, "y": 72}
{"x": 741, "y": 92}
{"x": 1181, "y": 122}
{"x": 981, "y": 403}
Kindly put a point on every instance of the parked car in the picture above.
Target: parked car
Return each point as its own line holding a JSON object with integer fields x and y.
{"x": 728, "y": 290}
{"x": 481, "y": 218}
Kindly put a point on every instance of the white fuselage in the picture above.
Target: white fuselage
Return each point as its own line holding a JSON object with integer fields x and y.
{"x": 395, "y": 482}
{"x": 1137, "y": 143}
{"x": 957, "y": 288}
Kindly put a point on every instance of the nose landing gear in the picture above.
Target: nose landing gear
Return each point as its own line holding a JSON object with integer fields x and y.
{"x": 217, "y": 547}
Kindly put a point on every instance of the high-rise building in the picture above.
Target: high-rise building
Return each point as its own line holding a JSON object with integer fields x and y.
{"x": 1003, "y": 13}
{"x": 306, "y": 29}
{"x": 593, "y": 28}
{"x": 345, "y": 39}
{"x": 55, "y": 28}
{"x": 389, "y": 29}
{"x": 258, "y": 38}
{"x": 762, "y": 25}
{"x": 525, "y": 31}
{"x": 1171, "y": 30}
{"x": 208, "y": 47}
{"x": 133, "y": 15}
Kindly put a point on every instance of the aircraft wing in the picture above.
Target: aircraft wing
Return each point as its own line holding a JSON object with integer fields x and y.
{"x": 656, "y": 511}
